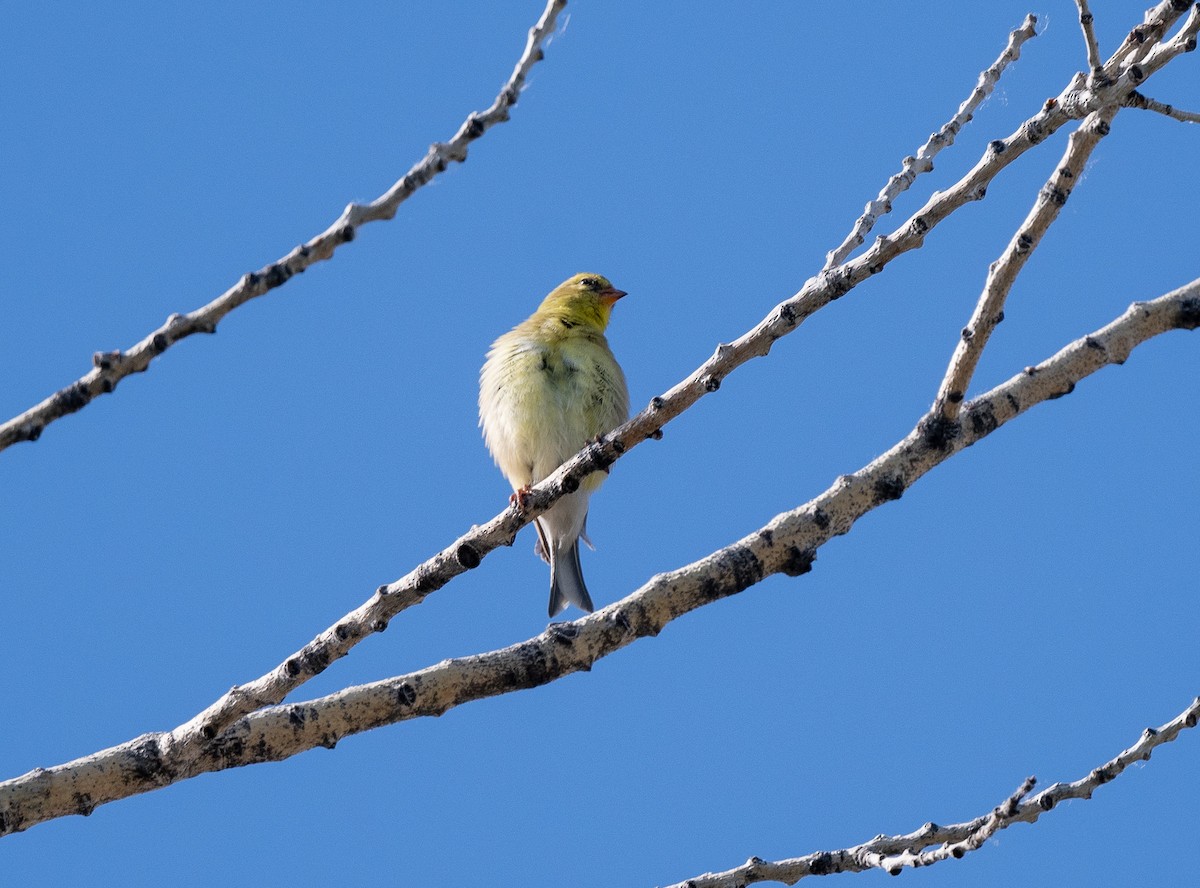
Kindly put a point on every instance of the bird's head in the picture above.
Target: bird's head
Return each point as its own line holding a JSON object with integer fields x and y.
{"x": 582, "y": 299}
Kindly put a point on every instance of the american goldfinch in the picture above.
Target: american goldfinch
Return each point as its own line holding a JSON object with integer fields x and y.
{"x": 547, "y": 388}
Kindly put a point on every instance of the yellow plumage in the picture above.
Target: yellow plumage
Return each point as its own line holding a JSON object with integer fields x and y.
{"x": 548, "y": 387}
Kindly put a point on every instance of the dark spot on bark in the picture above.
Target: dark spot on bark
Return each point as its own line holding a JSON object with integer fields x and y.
{"x": 83, "y": 803}
{"x": 839, "y": 283}
{"x": 563, "y": 633}
{"x": 711, "y": 383}
{"x": 744, "y": 567}
{"x": 474, "y": 128}
{"x": 890, "y": 488}
{"x": 656, "y": 403}
{"x": 920, "y": 225}
{"x": 379, "y": 625}
{"x": 983, "y": 420}
{"x": 767, "y": 536}
{"x": 938, "y": 432}
{"x": 73, "y": 397}
{"x": 346, "y": 234}
{"x": 822, "y": 864}
{"x": 292, "y": 667}
{"x": 799, "y": 561}
{"x": 1046, "y": 802}
{"x": 1053, "y": 195}
{"x": 820, "y": 518}
{"x": 405, "y": 695}
{"x": 1189, "y": 314}
{"x": 1070, "y": 388}
{"x": 146, "y": 763}
{"x": 296, "y": 716}
{"x": 467, "y": 556}
{"x": 997, "y": 146}
{"x": 787, "y": 314}
{"x": 277, "y": 274}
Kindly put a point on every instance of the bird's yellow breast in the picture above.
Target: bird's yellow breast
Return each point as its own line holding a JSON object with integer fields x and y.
{"x": 545, "y": 391}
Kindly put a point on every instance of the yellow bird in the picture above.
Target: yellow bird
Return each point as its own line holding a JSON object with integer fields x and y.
{"x": 547, "y": 388}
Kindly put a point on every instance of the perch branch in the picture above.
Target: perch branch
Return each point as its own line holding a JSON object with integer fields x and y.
{"x": 109, "y": 368}
{"x": 943, "y": 138}
{"x": 787, "y": 544}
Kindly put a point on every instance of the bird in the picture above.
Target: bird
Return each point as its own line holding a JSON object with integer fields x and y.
{"x": 547, "y": 388}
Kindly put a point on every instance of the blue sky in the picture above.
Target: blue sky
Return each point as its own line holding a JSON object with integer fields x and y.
{"x": 1027, "y": 608}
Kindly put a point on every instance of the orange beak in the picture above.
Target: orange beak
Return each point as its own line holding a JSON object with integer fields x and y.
{"x": 611, "y": 295}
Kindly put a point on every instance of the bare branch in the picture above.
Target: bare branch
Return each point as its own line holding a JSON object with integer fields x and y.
{"x": 109, "y": 368}
{"x": 1089, "y": 35}
{"x": 943, "y": 138}
{"x": 1136, "y": 100}
{"x": 1001, "y": 816}
{"x": 892, "y": 853}
{"x": 466, "y": 553}
{"x": 1145, "y": 36}
{"x": 989, "y": 310}
{"x": 787, "y": 544}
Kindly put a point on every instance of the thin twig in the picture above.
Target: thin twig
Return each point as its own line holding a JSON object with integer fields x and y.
{"x": 893, "y": 853}
{"x": 1089, "y": 35}
{"x": 787, "y": 544}
{"x": 943, "y": 138}
{"x": 109, "y": 368}
{"x": 1002, "y": 274}
{"x": 1136, "y": 100}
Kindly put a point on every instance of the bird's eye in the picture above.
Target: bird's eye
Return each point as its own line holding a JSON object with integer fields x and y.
{"x": 591, "y": 283}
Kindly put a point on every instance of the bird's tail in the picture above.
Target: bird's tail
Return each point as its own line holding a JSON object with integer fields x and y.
{"x": 566, "y": 581}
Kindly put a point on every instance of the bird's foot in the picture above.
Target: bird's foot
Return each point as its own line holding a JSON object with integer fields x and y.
{"x": 519, "y": 496}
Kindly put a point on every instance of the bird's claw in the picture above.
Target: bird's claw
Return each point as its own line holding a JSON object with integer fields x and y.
{"x": 519, "y": 496}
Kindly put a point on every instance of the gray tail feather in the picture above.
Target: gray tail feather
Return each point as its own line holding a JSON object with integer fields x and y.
{"x": 566, "y": 582}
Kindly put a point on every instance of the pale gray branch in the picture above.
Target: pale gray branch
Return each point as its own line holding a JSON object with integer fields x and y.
{"x": 1087, "y": 23}
{"x": 1142, "y": 38}
{"x": 1136, "y": 100}
{"x": 943, "y": 138}
{"x": 787, "y": 544}
{"x": 893, "y": 853}
{"x": 989, "y": 310}
{"x": 109, "y": 368}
